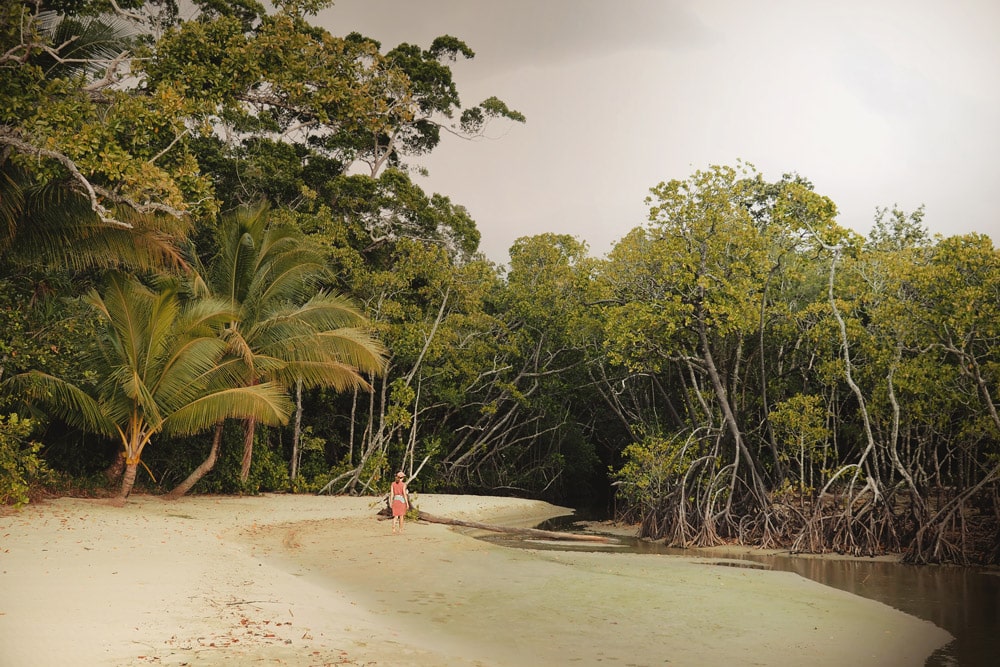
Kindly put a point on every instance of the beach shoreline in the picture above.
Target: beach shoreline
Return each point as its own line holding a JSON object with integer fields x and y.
{"x": 307, "y": 580}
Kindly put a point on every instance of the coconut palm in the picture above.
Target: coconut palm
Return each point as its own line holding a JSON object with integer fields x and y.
{"x": 287, "y": 329}
{"x": 160, "y": 367}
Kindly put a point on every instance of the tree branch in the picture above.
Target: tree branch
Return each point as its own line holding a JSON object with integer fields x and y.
{"x": 94, "y": 193}
{"x": 89, "y": 190}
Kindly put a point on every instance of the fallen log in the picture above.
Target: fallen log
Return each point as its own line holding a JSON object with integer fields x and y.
{"x": 531, "y": 532}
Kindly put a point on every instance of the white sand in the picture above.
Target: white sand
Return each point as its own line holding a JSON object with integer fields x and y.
{"x": 305, "y": 580}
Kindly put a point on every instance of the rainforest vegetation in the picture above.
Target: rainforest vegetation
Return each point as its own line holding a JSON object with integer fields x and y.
{"x": 220, "y": 274}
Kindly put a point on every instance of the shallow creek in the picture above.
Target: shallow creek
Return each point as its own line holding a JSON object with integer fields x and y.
{"x": 963, "y": 601}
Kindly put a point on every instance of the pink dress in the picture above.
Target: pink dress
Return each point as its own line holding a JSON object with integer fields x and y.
{"x": 399, "y": 504}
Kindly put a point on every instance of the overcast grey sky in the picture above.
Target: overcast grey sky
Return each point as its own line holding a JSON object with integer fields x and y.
{"x": 878, "y": 102}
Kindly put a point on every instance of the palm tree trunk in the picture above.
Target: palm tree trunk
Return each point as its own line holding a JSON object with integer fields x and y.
{"x": 297, "y": 432}
{"x": 202, "y": 469}
{"x": 128, "y": 479}
{"x": 247, "y": 449}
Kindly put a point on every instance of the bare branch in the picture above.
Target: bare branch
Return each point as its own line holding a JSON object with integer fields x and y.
{"x": 146, "y": 207}
{"x": 132, "y": 16}
{"x": 110, "y": 74}
{"x": 180, "y": 136}
{"x": 94, "y": 193}
{"x": 70, "y": 166}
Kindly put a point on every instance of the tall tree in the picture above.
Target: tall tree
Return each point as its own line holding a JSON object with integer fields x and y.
{"x": 690, "y": 305}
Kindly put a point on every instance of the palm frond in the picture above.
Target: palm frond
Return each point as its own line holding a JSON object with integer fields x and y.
{"x": 294, "y": 276}
{"x": 238, "y": 235}
{"x": 52, "y": 224}
{"x": 161, "y": 331}
{"x": 127, "y": 304}
{"x": 266, "y": 403}
{"x": 189, "y": 372}
{"x": 355, "y": 347}
{"x": 12, "y": 186}
{"x": 90, "y": 42}
{"x": 206, "y": 316}
{"x": 63, "y": 399}
{"x": 330, "y": 311}
{"x": 151, "y": 243}
{"x": 326, "y": 374}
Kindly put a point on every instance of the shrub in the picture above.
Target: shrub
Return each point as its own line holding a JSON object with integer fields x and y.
{"x": 21, "y": 466}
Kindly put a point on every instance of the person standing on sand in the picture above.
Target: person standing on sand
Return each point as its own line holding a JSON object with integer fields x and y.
{"x": 399, "y": 500}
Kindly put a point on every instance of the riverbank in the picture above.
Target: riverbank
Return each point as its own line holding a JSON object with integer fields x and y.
{"x": 304, "y": 580}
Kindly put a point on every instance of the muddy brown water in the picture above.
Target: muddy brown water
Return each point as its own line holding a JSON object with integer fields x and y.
{"x": 963, "y": 601}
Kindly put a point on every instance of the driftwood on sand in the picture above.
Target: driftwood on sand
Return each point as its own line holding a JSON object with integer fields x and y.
{"x": 532, "y": 532}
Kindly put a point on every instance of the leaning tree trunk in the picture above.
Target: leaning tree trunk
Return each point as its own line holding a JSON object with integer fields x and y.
{"x": 247, "y": 449}
{"x": 729, "y": 417}
{"x": 201, "y": 470}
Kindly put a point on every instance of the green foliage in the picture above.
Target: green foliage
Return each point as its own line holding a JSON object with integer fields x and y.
{"x": 65, "y": 124}
{"x": 313, "y": 471}
{"x": 268, "y": 472}
{"x": 799, "y": 424}
{"x": 652, "y": 469}
{"x": 21, "y": 465}
{"x": 172, "y": 459}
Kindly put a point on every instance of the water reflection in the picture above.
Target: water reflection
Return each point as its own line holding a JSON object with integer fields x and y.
{"x": 963, "y": 601}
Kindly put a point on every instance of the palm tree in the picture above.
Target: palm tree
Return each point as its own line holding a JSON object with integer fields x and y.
{"x": 286, "y": 329}
{"x": 160, "y": 367}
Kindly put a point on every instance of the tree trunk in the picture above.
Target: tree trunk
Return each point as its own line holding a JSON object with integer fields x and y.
{"x": 251, "y": 426}
{"x": 729, "y": 417}
{"x": 296, "y": 433}
{"x": 128, "y": 480}
{"x": 202, "y": 469}
{"x": 354, "y": 412}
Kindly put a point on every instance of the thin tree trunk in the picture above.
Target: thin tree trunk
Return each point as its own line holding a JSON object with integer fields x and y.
{"x": 728, "y": 416}
{"x": 354, "y": 412}
{"x": 297, "y": 432}
{"x": 202, "y": 469}
{"x": 247, "y": 449}
{"x": 779, "y": 468}
{"x": 411, "y": 447}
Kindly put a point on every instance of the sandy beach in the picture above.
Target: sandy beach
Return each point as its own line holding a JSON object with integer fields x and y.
{"x": 306, "y": 580}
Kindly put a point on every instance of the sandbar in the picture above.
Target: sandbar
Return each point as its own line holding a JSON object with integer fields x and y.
{"x": 318, "y": 580}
